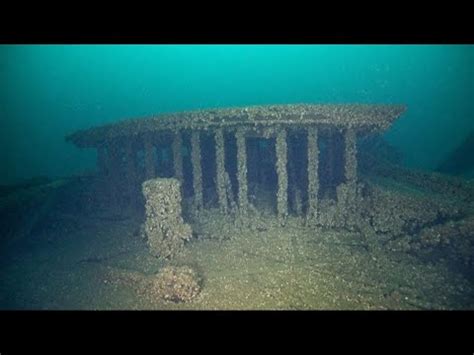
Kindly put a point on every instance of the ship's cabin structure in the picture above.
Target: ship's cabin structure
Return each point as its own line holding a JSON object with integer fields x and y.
{"x": 301, "y": 157}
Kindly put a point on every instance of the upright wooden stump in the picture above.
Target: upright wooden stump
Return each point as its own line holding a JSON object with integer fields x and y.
{"x": 313, "y": 178}
{"x": 197, "y": 172}
{"x": 242, "y": 170}
{"x": 220, "y": 170}
{"x": 178, "y": 157}
{"x": 281, "y": 167}
{"x": 164, "y": 226}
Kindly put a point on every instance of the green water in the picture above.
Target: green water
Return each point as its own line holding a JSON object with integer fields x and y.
{"x": 48, "y": 91}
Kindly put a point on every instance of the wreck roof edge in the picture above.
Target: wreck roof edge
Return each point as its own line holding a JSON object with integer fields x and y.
{"x": 365, "y": 117}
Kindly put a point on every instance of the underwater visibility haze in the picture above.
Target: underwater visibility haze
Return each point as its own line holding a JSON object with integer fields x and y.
{"x": 237, "y": 177}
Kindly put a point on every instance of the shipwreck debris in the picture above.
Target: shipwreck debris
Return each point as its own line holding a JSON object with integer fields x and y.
{"x": 164, "y": 227}
{"x": 331, "y": 125}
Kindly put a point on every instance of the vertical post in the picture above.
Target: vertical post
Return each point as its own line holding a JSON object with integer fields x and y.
{"x": 149, "y": 157}
{"x": 350, "y": 158}
{"x": 281, "y": 167}
{"x": 242, "y": 169}
{"x": 197, "y": 172}
{"x": 313, "y": 178}
{"x": 347, "y": 192}
{"x": 178, "y": 157}
{"x": 220, "y": 170}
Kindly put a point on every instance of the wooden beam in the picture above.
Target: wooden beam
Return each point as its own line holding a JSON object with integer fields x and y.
{"x": 220, "y": 169}
{"x": 281, "y": 167}
{"x": 197, "y": 171}
{"x": 242, "y": 169}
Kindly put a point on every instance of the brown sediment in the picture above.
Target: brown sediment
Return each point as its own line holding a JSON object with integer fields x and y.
{"x": 176, "y": 284}
{"x": 265, "y": 265}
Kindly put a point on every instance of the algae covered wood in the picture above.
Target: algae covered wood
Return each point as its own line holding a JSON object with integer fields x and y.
{"x": 242, "y": 170}
{"x": 197, "y": 170}
{"x": 282, "y": 160}
{"x": 220, "y": 170}
{"x": 178, "y": 156}
{"x": 313, "y": 165}
{"x": 361, "y": 117}
{"x": 164, "y": 226}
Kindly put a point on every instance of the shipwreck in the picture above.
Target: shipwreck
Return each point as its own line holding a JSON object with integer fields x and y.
{"x": 314, "y": 149}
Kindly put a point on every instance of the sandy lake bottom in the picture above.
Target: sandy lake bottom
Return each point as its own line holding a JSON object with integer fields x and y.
{"x": 88, "y": 264}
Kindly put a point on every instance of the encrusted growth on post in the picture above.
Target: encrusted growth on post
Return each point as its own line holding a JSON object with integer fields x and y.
{"x": 348, "y": 192}
{"x": 242, "y": 169}
{"x": 149, "y": 157}
{"x": 350, "y": 151}
{"x": 220, "y": 170}
{"x": 229, "y": 192}
{"x": 313, "y": 178}
{"x": 282, "y": 159}
{"x": 164, "y": 227}
{"x": 197, "y": 172}
{"x": 178, "y": 157}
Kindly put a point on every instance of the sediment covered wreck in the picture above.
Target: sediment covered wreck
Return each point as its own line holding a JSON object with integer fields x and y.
{"x": 307, "y": 151}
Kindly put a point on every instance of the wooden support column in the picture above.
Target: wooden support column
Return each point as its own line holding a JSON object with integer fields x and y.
{"x": 281, "y": 167}
{"x": 242, "y": 169}
{"x": 197, "y": 172}
{"x": 350, "y": 158}
{"x": 150, "y": 160}
{"x": 220, "y": 170}
{"x": 178, "y": 157}
{"x": 347, "y": 192}
{"x": 313, "y": 165}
